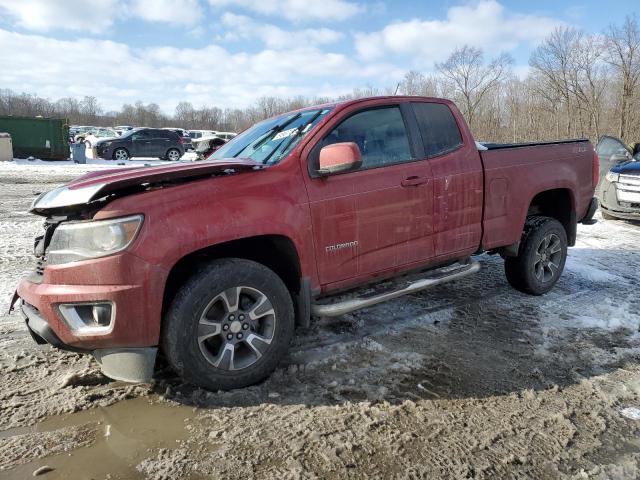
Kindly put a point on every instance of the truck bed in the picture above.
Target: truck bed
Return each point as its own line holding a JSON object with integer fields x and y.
{"x": 514, "y": 172}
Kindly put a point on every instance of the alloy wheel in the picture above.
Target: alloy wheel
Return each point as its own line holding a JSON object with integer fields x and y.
{"x": 236, "y": 328}
{"x": 548, "y": 258}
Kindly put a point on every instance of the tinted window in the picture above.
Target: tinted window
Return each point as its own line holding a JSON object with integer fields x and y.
{"x": 438, "y": 128}
{"x": 166, "y": 134}
{"x": 379, "y": 133}
{"x": 142, "y": 135}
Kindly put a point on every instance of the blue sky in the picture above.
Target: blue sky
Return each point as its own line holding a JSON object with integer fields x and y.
{"x": 230, "y": 52}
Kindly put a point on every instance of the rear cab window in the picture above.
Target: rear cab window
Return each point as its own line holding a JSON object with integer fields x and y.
{"x": 438, "y": 128}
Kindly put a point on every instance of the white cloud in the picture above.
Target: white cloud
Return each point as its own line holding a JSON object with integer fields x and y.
{"x": 242, "y": 27}
{"x": 296, "y": 10}
{"x": 44, "y": 15}
{"x": 97, "y": 16}
{"x": 116, "y": 73}
{"x": 485, "y": 24}
{"x": 183, "y": 12}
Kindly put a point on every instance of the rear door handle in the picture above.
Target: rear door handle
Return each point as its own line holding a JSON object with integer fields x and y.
{"x": 413, "y": 181}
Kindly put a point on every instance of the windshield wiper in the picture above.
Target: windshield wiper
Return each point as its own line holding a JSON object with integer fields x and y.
{"x": 273, "y": 130}
{"x": 293, "y": 137}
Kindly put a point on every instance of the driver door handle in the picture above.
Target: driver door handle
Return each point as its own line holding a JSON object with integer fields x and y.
{"x": 413, "y": 181}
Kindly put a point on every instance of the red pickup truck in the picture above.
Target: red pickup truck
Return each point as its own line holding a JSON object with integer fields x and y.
{"x": 216, "y": 262}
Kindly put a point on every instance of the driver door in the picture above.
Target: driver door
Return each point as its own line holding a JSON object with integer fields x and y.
{"x": 377, "y": 218}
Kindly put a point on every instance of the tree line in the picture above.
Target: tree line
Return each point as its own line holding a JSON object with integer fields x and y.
{"x": 578, "y": 85}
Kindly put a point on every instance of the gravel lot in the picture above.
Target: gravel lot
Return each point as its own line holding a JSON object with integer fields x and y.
{"x": 469, "y": 380}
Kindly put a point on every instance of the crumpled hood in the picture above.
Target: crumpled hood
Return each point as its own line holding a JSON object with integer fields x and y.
{"x": 96, "y": 185}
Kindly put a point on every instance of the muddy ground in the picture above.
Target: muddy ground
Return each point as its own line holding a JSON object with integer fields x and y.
{"x": 470, "y": 380}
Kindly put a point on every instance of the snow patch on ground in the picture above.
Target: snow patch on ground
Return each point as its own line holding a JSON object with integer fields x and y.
{"x": 576, "y": 265}
{"x": 610, "y": 315}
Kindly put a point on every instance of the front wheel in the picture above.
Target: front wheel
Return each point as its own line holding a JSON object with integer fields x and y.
{"x": 541, "y": 256}
{"x": 229, "y": 325}
{"x": 120, "y": 154}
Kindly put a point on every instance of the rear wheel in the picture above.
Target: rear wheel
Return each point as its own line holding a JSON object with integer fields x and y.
{"x": 541, "y": 257}
{"x": 229, "y": 325}
{"x": 173, "y": 154}
{"x": 120, "y": 154}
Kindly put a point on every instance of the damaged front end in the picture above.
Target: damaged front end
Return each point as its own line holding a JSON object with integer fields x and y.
{"x": 88, "y": 292}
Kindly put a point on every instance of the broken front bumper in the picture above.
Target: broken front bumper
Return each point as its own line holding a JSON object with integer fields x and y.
{"x": 127, "y": 347}
{"x": 621, "y": 199}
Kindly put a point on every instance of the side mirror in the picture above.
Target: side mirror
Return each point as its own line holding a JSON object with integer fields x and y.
{"x": 339, "y": 157}
{"x": 636, "y": 149}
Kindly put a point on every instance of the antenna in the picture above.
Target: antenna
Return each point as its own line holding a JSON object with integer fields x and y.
{"x": 397, "y": 88}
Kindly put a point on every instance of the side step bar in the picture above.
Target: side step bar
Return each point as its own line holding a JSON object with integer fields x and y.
{"x": 436, "y": 277}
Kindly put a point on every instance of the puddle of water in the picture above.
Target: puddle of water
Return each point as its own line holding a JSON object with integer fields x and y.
{"x": 631, "y": 412}
{"x": 127, "y": 431}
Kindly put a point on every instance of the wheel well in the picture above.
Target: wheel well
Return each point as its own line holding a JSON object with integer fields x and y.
{"x": 558, "y": 204}
{"x": 276, "y": 252}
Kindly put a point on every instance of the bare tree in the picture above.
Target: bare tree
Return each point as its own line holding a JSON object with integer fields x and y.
{"x": 623, "y": 53}
{"x": 472, "y": 79}
{"x": 89, "y": 109}
{"x": 555, "y": 61}
{"x": 588, "y": 80}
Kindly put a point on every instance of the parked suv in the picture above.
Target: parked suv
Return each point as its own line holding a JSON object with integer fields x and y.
{"x": 142, "y": 142}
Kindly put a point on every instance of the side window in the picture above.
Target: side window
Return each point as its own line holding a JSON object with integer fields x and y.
{"x": 438, "y": 127}
{"x": 379, "y": 133}
{"x": 141, "y": 135}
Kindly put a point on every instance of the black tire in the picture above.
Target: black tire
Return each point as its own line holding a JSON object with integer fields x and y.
{"x": 193, "y": 358}
{"x": 535, "y": 270}
{"x": 123, "y": 152}
{"x": 173, "y": 152}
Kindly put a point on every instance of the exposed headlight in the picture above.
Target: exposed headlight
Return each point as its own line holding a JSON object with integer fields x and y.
{"x": 72, "y": 242}
{"x": 612, "y": 177}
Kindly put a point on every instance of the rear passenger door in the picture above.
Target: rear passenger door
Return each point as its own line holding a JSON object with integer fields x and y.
{"x": 160, "y": 143}
{"x": 377, "y": 218}
{"x": 141, "y": 143}
{"x": 457, "y": 180}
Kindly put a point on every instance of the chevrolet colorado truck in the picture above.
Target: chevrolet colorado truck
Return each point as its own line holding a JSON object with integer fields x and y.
{"x": 215, "y": 263}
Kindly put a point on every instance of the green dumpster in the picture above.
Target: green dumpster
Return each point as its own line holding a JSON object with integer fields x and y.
{"x": 46, "y": 138}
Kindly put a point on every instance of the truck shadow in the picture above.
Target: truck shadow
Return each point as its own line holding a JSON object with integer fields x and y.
{"x": 471, "y": 339}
